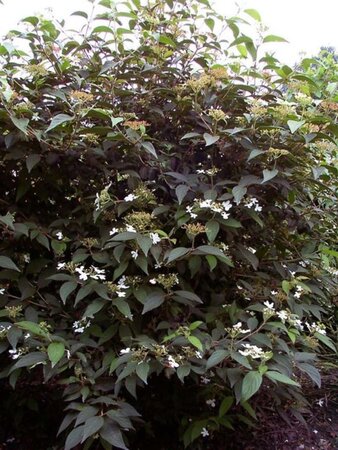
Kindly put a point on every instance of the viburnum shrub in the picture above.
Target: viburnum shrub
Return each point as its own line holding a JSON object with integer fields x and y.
{"x": 168, "y": 201}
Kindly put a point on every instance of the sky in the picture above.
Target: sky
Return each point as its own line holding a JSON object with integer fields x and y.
{"x": 306, "y": 24}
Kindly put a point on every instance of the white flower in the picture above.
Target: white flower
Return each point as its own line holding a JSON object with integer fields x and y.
{"x": 61, "y": 266}
{"x": 130, "y": 228}
{"x": 211, "y": 402}
{"x": 320, "y": 402}
{"x": 292, "y": 273}
{"x": 252, "y": 250}
{"x": 252, "y": 350}
{"x": 121, "y": 294}
{"x": 227, "y": 205}
{"x": 124, "y": 351}
{"x": 316, "y": 328}
{"x": 204, "y": 432}
{"x": 171, "y": 362}
{"x": 189, "y": 210}
{"x": 59, "y": 235}
{"x": 206, "y": 203}
{"x": 258, "y": 208}
{"x": 225, "y": 215}
{"x": 298, "y": 324}
{"x": 80, "y": 325}
{"x": 130, "y": 198}
{"x": 269, "y": 306}
{"x": 155, "y": 238}
{"x": 238, "y": 327}
{"x": 121, "y": 283}
{"x": 113, "y": 231}
{"x": 134, "y": 254}
{"x": 205, "y": 380}
{"x": 2, "y": 291}
{"x": 299, "y": 291}
{"x": 198, "y": 354}
{"x": 200, "y": 171}
{"x": 283, "y": 315}
{"x": 274, "y": 292}
{"x": 153, "y": 281}
{"x": 14, "y": 353}
{"x": 82, "y": 274}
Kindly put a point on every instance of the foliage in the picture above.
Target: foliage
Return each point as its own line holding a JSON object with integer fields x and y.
{"x": 168, "y": 194}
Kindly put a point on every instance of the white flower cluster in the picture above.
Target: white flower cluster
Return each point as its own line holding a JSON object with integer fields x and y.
{"x": 59, "y": 235}
{"x": 211, "y": 402}
{"x": 333, "y": 271}
{"x": 299, "y": 292}
{"x": 16, "y": 352}
{"x": 171, "y": 362}
{"x": 316, "y": 327}
{"x": 155, "y": 238}
{"x": 134, "y": 254}
{"x": 93, "y": 272}
{"x": 204, "y": 432}
{"x": 292, "y": 319}
{"x": 254, "y": 352}
{"x": 253, "y": 203}
{"x": 121, "y": 285}
{"x": 221, "y": 208}
{"x": 130, "y": 198}
{"x": 124, "y": 351}
{"x": 113, "y": 231}
{"x": 80, "y": 325}
{"x": 238, "y": 328}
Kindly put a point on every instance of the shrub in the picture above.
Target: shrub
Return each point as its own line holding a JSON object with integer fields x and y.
{"x": 166, "y": 206}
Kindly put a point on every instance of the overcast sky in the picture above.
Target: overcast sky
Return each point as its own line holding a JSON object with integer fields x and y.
{"x": 306, "y": 24}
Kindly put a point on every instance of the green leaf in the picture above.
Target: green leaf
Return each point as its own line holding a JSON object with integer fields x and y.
{"x": 55, "y": 352}
{"x": 153, "y": 301}
{"x": 74, "y": 437}
{"x": 276, "y": 376}
{"x": 167, "y": 41}
{"x": 21, "y": 124}
{"x": 195, "y": 325}
{"x": 254, "y": 14}
{"x": 294, "y": 125}
{"x": 326, "y": 340}
{"x": 29, "y": 360}
{"x": 112, "y": 434}
{"x": 274, "y": 38}
{"x": 32, "y": 327}
{"x": 212, "y": 261}
{"x": 177, "y": 253}
{"x": 251, "y": 383}
{"x": 212, "y": 229}
{"x": 226, "y": 404}
{"x": 142, "y": 371}
{"x": 66, "y": 289}
{"x": 123, "y": 307}
{"x": 269, "y": 174}
{"x": 190, "y": 135}
{"x": 195, "y": 342}
{"x": 92, "y": 426}
{"x": 181, "y": 191}
{"x": 210, "y": 23}
{"x": 7, "y": 263}
{"x": 255, "y": 153}
{"x": 116, "y": 120}
{"x": 209, "y": 139}
{"x": 217, "y": 357}
{"x": 238, "y": 192}
{"x": 32, "y": 161}
{"x": 148, "y": 146}
{"x": 59, "y": 120}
